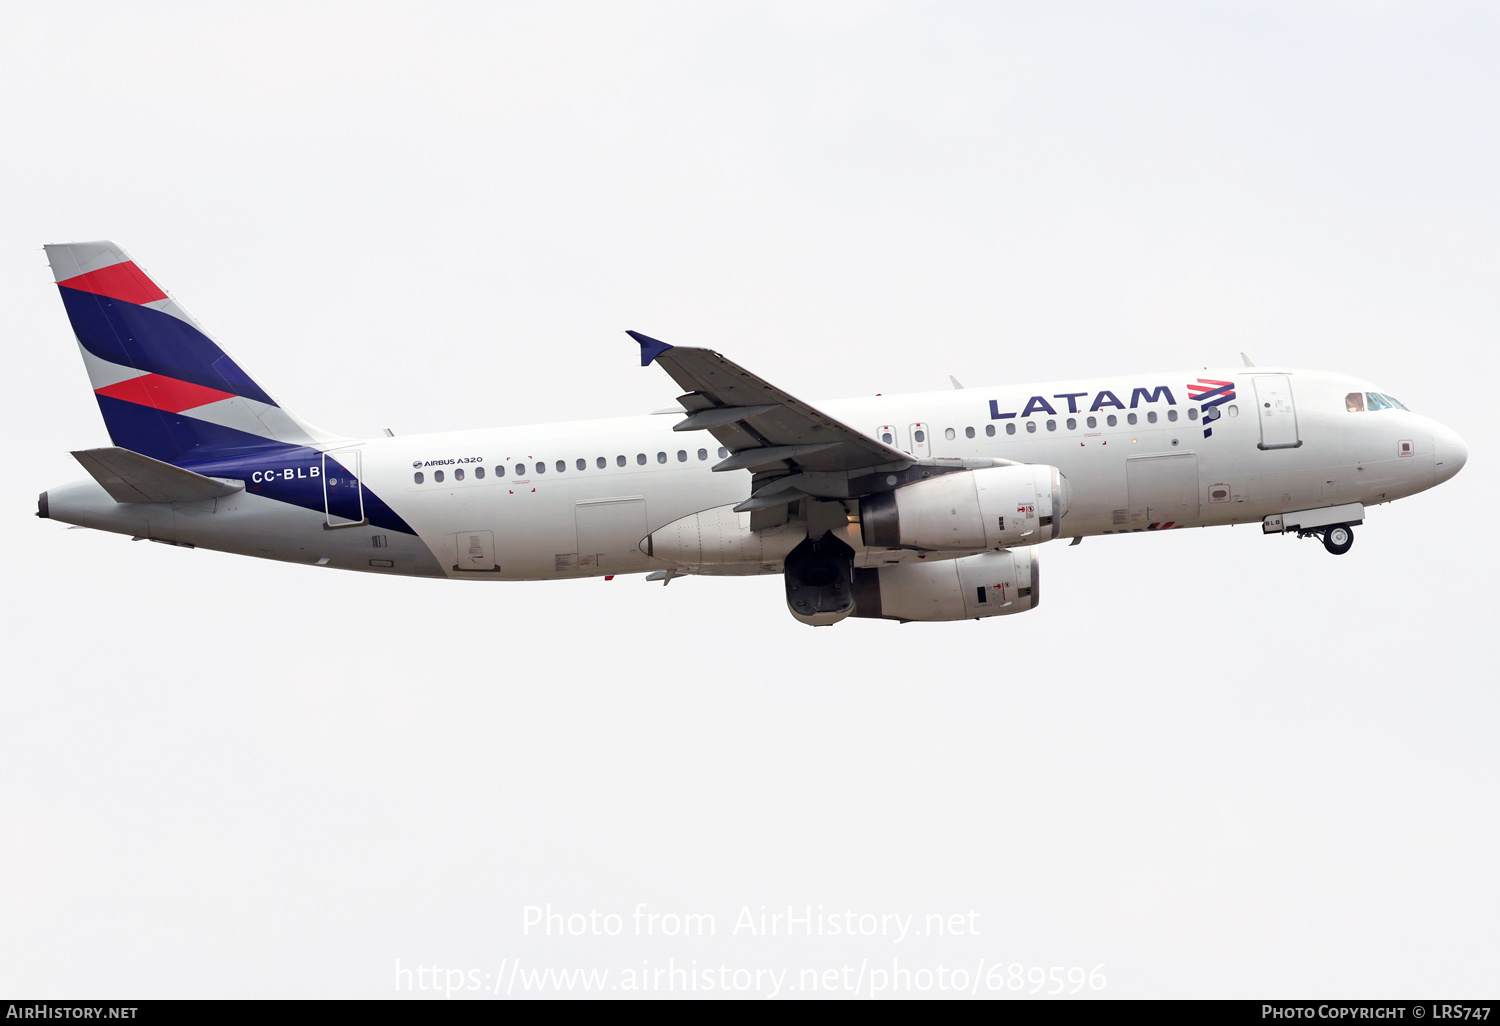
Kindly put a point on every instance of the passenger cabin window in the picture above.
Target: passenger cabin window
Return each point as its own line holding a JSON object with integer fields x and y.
{"x": 619, "y": 461}
{"x": 968, "y": 432}
{"x": 950, "y": 434}
{"x": 640, "y": 459}
{"x": 1193, "y": 413}
{"x": 1010, "y": 428}
{"x": 1172, "y": 415}
{"x": 499, "y": 471}
{"x": 562, "y": 465}
{"x": 458, "y": 475}
{"x": 418, "y": 478}
{"x": 437, "y": 475}
{"x": 541, "y": 468}
{"x": 1051, "y": 425}
{"x": 1031, "y": 426}
{"x": 1072, "y": 424}
{"x": 1151, "y": 417}
{"x": 885, "y": 436}
{"x": 1130, "y": 418}
{"x": 479, "y": 473}
{"x": 723, "y": 453}
{"x": 989, "y": 430}
{"x": 1092, "y": 422}
{"x": 582, "y": 464}
{"x": 661, "y": 457}
{"x": 601, "y": 463}
{"x": 681, "y": 455}
{"x": 703, "y": 454}
{"x": 1111, "y": 420}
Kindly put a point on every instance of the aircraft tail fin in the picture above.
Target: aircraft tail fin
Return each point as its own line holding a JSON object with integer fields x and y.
{"x": 166, "y": 389}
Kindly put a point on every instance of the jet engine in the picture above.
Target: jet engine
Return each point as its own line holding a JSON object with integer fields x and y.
{"x": 989, "y": 508}
{"x": 988, "y": 584}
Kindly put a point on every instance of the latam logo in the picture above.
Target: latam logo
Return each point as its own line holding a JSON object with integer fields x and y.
{"x": 1211, "y": 394}
{"x": 1102, "y": 401}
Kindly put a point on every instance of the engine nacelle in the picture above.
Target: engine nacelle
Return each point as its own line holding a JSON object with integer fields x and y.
{"x": 967, "y": 588}
{"x": 990, "y": 508}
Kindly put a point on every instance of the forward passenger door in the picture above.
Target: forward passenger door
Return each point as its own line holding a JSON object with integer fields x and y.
{"x": 1278, "y": 414}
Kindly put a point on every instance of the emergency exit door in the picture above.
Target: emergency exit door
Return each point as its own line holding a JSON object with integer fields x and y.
{"x": 921, "y": 441}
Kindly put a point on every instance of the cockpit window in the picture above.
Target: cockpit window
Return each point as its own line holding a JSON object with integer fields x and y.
{"x": 1371, "y": 401}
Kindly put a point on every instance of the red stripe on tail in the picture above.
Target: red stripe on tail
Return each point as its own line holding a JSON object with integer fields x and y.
{"x": 163, "y": 393}
{"x": 125, "y": 282}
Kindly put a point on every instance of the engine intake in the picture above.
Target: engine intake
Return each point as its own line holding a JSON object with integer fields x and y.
{"x": 990, "y": 508}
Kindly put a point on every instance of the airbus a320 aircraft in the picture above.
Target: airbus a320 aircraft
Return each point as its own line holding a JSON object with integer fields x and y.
{"x": 928, "y": 506}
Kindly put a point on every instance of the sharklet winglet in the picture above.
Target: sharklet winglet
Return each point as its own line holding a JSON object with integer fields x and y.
{"x": 650, "y": 348}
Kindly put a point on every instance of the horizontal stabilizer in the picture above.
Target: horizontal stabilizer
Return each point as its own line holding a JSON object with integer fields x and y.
{"x": 130, "y": 477}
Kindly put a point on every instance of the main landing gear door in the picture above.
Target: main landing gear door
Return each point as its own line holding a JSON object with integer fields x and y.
{"x": 343, "y": 501}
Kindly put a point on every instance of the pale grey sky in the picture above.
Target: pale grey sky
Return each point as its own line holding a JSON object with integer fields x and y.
{"x": 1216, "y": 763}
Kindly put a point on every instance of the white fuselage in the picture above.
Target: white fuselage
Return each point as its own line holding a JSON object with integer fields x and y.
{"x": 545, "y": 518}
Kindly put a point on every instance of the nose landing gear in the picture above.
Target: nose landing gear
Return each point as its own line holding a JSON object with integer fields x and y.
{"x": 1338, "y": 538}
{"x": 1332, "y": 525}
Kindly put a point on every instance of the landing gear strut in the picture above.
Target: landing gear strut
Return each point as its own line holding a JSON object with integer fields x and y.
{"x": 1338, "y": 538}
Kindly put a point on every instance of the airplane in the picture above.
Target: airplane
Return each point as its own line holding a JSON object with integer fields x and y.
{"x": 918, "y": 507}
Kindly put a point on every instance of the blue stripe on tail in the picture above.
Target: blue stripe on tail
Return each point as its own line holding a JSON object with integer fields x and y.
{"x": 149, "y": 340}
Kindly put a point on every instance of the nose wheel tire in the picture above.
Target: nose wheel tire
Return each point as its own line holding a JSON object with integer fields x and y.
{"x": 1338, "y": 539}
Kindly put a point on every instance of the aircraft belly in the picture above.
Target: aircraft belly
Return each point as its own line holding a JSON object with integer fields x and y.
{"x": 558, "y": 528}
{"x": 252, "y": 525}
{"x": 246, "y": 524}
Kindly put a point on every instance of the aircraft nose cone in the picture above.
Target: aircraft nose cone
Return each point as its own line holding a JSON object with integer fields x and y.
{"x": 1449, "y": 453}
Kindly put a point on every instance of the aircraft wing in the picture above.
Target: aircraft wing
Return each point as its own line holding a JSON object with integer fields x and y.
{"x": 793, "y": 450}
{"x": 764, "y": 428}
